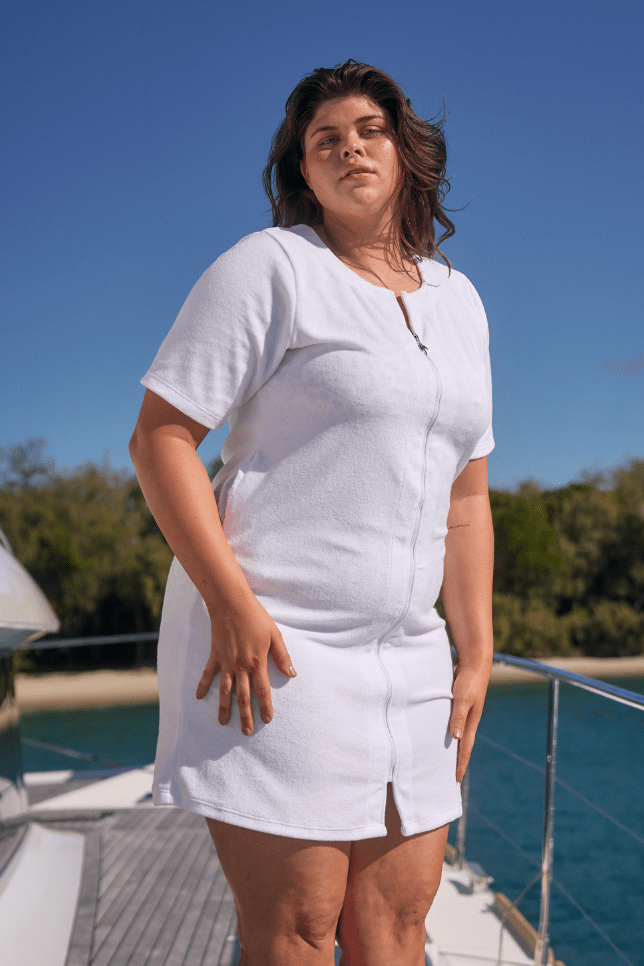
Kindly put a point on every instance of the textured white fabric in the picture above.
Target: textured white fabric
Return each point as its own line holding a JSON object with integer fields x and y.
{"x": 344, "y": 441}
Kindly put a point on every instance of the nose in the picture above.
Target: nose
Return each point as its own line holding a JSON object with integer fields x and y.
{"x": 352, "y": 146}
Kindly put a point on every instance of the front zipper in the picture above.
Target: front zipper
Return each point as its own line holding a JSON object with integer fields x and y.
{"x": 401, "y": 616}
{"x": 422, "y": 347}
{"x": 392, "y": 746}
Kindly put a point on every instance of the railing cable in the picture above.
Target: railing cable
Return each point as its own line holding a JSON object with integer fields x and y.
{"x": 556, "y": 882}
{"x": 515, "y": 905}
{"x": 569, "y": 788}
{"x": 70, "y": 753}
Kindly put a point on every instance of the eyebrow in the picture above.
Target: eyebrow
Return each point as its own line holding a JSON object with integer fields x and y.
{"x": 359, "y": 120}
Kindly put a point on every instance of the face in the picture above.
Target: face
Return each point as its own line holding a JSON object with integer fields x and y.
{"x": 351, "y": 160}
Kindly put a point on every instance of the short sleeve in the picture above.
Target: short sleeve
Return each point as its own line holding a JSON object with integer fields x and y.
{"x": 485, "y": 445}
{"x": 231, "y": 334}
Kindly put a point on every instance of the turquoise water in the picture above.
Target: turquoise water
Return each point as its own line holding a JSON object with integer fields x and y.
{"x": 600, "y": 754}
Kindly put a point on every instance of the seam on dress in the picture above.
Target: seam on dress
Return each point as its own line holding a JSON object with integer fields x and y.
{"x": 175, "y": 757}
{"x": 271, "y": 821}
{"x": 156, "y": 378}
{"x": 400, "y": 491}
{"x": 432, "y": 815}
{"x": 284, "y": 251}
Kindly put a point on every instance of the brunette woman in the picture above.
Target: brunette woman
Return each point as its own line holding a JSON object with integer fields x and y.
{"x": 352, "y": 366}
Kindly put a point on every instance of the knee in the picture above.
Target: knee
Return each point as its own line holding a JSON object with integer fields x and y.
{"x": 388, "y": 933}
{"x": 297, "y": 938}
{"x": 409, "y": 920}
{"x": 317, "y": 930}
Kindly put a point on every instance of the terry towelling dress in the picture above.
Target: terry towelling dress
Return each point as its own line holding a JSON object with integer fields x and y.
{"x": 345, "y": 438}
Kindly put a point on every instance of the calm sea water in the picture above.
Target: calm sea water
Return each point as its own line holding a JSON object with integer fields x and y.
{"x": 600, "y": 754}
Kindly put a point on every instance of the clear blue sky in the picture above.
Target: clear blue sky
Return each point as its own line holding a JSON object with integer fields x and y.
{"x": 134, "y": 136}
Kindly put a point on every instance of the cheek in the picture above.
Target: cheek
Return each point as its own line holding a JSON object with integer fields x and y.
{"x": 317, "y": 180}
{"x": 395, "y": 167}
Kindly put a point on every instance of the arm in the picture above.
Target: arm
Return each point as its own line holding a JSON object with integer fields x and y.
{"x": 179, "y": 494}
{"x": 467, "y": 600}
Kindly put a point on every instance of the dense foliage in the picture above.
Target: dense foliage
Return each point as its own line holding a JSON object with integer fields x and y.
{"x": 569, "y": 568}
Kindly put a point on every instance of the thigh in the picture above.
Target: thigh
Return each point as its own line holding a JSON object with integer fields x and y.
{"x": 391, "y": 885}
{"x": 283, "y": 887}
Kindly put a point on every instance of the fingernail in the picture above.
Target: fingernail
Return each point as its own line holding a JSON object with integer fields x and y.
{"x": 457, "y": 733}
{"x": 292, "y": 672}
{"x": 246, "y": 731}
{"x": 266, "y": 718}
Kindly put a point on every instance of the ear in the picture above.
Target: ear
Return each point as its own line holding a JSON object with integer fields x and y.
{"x": 303, "y": 170}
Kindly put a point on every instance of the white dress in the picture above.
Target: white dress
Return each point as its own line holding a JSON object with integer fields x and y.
{"x": 345, "y": 438}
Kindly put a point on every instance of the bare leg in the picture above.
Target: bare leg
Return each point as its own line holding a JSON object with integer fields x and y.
{"x": 391, "y": 886}
{"x": 288, "y": 894}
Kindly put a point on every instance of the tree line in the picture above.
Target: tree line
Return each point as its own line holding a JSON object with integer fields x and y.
{"x": 569, "y": 562}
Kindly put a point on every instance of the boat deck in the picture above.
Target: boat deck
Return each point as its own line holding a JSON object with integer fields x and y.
{"x": 116, "y": 881}
{"x": 152, "y": 891}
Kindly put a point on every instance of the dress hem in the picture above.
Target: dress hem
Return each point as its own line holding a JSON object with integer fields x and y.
{"x": 231, "y": 817}
{"x": 432, "y": 821}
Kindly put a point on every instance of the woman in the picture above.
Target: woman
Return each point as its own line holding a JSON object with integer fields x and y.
{"x": 353, "y": 369}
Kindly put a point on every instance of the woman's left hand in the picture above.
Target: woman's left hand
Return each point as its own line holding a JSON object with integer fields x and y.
{"x": 469, "y": 687}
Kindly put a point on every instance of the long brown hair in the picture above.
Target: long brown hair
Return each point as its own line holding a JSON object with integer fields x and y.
{"x": 421, "y": 144}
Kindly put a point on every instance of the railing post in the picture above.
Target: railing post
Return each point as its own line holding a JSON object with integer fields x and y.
{"x": 461, "y": 828}
{"x": 541, "y": 949}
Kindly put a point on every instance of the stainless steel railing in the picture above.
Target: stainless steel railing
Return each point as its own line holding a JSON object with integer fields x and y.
{"x": 555, "y": 676}
{"x": 47, "y": 644}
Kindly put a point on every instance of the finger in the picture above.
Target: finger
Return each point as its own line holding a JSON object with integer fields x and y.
{"x": 244, "y": 703}
{"x": 213, "y": 667}
{"x": 465, "y": 746}
{"x": 262, "y": 688}
{"x": 225, "y": 697}
{"x": 462, "y": 761}
{"x": 458, "y": 718}
{"x": 281, "y": 656}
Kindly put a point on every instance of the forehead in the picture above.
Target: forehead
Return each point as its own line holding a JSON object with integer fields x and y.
{"x": 344, "y": 110}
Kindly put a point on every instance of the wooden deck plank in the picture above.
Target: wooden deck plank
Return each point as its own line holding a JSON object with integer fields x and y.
{"x": 116, "y": 851}
{"x": 180, "y": 818}
{"x": 128, "y": 893}
{"x": 80, "y": 943}
{"x": 190, "y": 899}
{"x": 128, "y": 819}
{"x": 114, "y": 847}
{"x": 116, "y": 890}
{"x": 221, "y": 947}
{"x": 152, "y": 893}
{"x": 209, "y": 914}
{"x": 186, "y": 949}
{"x": 143, "y": 932}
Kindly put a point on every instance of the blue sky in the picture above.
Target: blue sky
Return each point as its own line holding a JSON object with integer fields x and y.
{"x": 134, "y": 137}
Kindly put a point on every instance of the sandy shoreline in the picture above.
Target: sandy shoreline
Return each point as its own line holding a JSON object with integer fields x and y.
{"x": 101, "y": 689}
{"x": 89, "y": 689}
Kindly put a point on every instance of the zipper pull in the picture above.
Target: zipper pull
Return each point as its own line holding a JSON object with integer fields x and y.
{"x": 422, "y": 347}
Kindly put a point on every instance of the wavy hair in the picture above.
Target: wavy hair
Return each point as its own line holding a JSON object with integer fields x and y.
{"x": 421, "y": 145}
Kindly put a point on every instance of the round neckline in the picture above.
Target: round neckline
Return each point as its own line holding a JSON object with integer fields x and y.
{"x": 363, "y": 281}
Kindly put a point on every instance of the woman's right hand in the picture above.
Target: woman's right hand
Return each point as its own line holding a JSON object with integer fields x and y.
{"x": 243, "y": 633}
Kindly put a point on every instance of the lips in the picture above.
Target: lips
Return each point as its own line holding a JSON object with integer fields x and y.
{"x": 357, "y": 171}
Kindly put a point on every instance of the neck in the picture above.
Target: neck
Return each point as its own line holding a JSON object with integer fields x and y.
{"x": 360, "y": 244}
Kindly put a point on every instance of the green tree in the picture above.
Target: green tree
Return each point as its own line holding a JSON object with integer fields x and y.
{"x": 25, "y": 465}
{"x": 90, "y": 542}
{"x": 526, "y": 545}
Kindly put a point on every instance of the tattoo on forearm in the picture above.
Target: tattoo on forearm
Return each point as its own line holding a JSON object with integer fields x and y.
{"x": 454, "y": 526}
